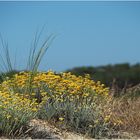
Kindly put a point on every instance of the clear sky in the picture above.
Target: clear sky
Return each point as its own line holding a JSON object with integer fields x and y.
{"x": 88, "y": 33}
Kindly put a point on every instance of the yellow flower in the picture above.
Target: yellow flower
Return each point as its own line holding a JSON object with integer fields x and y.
{"x": 90, "y": 126}
{"x": 8, "y": 116}
{"x": 61, "y": 119}
{"x": 34, "y": 109}
{"x": 107, "y": 118}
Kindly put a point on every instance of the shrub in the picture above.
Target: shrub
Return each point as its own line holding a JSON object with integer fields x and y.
{"x": 77, "y": 100}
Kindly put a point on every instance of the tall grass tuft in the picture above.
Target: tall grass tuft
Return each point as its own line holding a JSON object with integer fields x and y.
{"x": 5, "y": 64}
{"x": 35, "y": 54}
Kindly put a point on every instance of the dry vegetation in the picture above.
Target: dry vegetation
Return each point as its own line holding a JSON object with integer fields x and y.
{"x": 127, "y": 110}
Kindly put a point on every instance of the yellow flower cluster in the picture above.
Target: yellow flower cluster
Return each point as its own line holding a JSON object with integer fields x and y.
{"x": 27, "y": 93}
{"x": 15, "y": 105}
{"x": 60, "y": 84}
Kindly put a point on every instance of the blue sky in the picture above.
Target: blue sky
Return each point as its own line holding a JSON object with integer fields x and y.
{"x": 88, "y": 33}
